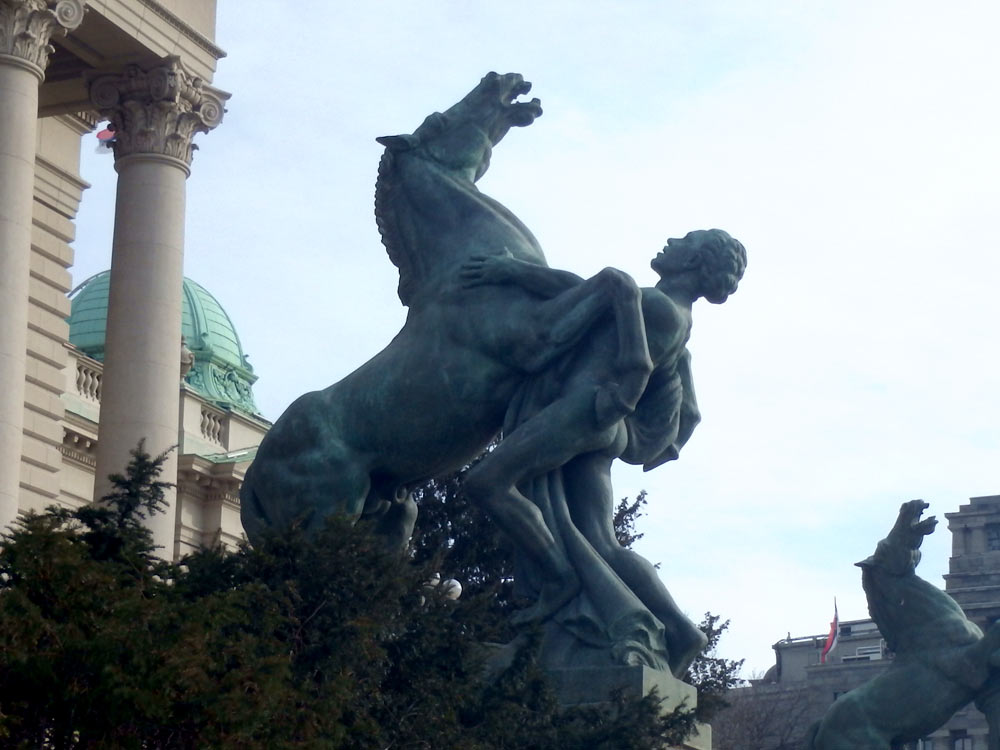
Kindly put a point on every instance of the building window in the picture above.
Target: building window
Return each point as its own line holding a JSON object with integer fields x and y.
{"x": 960, "y": 740}
{"x": 993, "y": 537}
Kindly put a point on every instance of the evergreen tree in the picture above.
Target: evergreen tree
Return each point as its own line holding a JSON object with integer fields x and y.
{"x": 320, "y": 642}
{"x": 713, "y": 675}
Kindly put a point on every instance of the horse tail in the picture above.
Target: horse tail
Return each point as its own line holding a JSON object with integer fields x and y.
{"x": 252, "y": 513}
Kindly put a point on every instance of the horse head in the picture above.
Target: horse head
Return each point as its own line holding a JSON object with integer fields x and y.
{"x": 461, "y": 139}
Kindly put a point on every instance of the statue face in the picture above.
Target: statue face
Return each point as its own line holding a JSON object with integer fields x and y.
{"x": 708, "y": 258}
{"x": 676, "y": 255}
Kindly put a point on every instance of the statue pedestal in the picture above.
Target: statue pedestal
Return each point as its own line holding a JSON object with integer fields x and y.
{"x": 574, "y": 687}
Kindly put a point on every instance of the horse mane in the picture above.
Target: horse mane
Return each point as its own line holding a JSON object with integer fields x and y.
{"x": 387, "y": 191}
{"x": 410, "y": 180}
{"x": 387, "y": 217}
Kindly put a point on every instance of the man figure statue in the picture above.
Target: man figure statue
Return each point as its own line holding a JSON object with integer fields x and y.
{"x": 568, "y": 425}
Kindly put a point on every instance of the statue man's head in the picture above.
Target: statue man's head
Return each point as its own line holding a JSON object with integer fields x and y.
{"x": 708, "y": 262}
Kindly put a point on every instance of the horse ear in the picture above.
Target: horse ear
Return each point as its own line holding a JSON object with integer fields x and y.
{"x": 398, "y": 142}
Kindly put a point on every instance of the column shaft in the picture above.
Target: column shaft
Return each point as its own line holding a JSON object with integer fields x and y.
{"x": 154, "y": 112}
{"x": 18, "y": 113}
{"x": 143, "y": 342}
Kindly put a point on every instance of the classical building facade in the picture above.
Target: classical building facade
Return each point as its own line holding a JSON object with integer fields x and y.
{"x": 71, "y": 414}
{"x": 775, "y": 711}
{"x": 219, "y": 425}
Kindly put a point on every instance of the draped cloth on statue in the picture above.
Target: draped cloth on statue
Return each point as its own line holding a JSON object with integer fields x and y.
{"x": 606, "y": 623}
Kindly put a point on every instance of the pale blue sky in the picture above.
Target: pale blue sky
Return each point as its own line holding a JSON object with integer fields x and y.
{"x": 850, "y": 145}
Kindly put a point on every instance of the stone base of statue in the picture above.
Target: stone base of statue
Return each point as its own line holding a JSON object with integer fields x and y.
{"x": 589, "y": 685}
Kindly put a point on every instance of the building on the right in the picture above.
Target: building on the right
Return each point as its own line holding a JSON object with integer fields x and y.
{"x": 973, "y": 577}
{"x": 775, "y": 711}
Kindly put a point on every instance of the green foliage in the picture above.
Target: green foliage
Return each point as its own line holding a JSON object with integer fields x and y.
{"x": 626, "y": 515}
{"x": 83, "y": 603}
{"x": 713, "y": 675}
{"x": 455, "y": 537}
{"x": 320, "y": 642}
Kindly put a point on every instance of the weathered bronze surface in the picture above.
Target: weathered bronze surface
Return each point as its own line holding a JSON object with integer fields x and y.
{"x": 576, "y": 372}
{"x": 943, "y": 661}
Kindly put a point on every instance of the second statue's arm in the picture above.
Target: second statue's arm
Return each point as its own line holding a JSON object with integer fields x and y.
{"x": 505, "y": 269}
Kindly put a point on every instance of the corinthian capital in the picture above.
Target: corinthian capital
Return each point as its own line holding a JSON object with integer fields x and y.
{"x": 26, "y": 26}
{"x": 157, "y": 110}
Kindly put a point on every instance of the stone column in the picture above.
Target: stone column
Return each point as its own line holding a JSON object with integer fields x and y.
{"x": 25, "y": 29}
{"x": 155, "y": 112}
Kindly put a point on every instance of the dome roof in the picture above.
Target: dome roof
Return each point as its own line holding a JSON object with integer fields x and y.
{"x": 221, "y": 372}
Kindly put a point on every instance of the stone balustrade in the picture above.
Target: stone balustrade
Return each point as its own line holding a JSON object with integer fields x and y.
{"x": 89, "y": 373}
{"x": 213, "y": 425}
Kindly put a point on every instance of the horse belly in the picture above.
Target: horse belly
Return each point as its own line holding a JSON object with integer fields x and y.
{"x": 498, "y": 324}
{"x": 422, "y": 407}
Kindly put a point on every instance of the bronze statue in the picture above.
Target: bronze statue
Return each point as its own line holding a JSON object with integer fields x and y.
{"x": 561, "y": 436}
{"x": 437, "y": 394}
{"x": 576, "y": 371}
{"x": 942, "y": 659}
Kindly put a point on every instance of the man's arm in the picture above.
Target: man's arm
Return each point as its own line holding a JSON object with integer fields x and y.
{"x": 505, "y": 269}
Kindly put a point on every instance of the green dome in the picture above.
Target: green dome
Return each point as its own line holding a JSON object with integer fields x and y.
{"x": 221, "y": 372}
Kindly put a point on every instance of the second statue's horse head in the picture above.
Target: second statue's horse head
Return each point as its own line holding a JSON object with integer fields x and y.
{"x": 942, "y": 659}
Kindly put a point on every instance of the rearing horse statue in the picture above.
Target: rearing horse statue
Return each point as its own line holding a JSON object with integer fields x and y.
{"x": 437, "y": 394}
{"x": 943, "y": 661}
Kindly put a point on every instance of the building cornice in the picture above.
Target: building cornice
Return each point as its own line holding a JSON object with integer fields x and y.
{"x": 79, "y": 448}
{"x": 82, "y": 122}
{"x": 189, "y": 31}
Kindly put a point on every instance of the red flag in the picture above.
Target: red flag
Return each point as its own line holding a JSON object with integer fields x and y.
{"x": 831, "y": 640}
{"x": 105, "y": 140}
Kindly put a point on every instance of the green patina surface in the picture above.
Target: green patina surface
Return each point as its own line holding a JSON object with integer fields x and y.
{"x": 942, "y": 661}
{"x": 232, "y": 457}
{"x": 221, "y": 372}
{"x": 575, "y": 372}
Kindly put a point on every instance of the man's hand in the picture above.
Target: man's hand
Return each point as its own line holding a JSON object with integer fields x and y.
{"x": 487, "y": 269}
